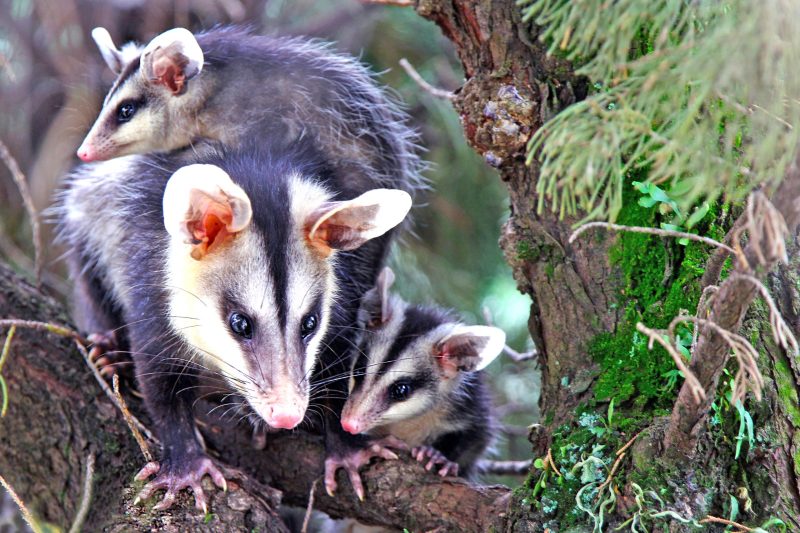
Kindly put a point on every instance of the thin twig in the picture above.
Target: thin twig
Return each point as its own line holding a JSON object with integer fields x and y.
{"x": 610, "y": 477}
{"x": 552, "y": 463}
{"x": 309, "y": 507}
{"x": 57, "y": 329}
{"x": 781, "y": 331}
{"x": 745, "y": 354}
{"x": 691, "y": 380}
{"x": 717, "y": 520}
{"x": 427, "y": 87}
{"x": 628, "y": 444}
{"x": 126, "y": 414}
{"x": 516, "y": 356}
{"x": 26, "y": 514}
{"x": 398, "y": 3}
{"x": 702, "y": 308}
{"x": 86, "y": 497}
{"x": 505, "y": 468}
{"x": 80, "y": 343}
{"x": 22, "y": 185}
{"x": 104, "y": 386}
{"x": 651, "y": 231}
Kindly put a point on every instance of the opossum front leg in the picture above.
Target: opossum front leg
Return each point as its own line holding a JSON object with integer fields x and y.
{"x": 167, "y": 390}
{"x": 351, "y": 453}
{"x": 435, "y": 458}
{"x": 99, "y": 318}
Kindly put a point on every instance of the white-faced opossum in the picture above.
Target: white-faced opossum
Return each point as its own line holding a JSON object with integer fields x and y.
{"x": 236, "y": 263}
{"x": 227, "y": 85}
{"x": 416, "y": 377}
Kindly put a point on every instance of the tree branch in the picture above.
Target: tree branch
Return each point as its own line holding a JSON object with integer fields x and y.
{"x": 58, "y": 416}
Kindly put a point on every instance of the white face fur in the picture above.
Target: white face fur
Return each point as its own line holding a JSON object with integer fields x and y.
{"x": 412, "y": 364}
{"x": 220, "y": 281}
{"x": 142, "y": 112}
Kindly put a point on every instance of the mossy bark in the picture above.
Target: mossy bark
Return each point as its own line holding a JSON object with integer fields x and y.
{"x": 588, "y": 296}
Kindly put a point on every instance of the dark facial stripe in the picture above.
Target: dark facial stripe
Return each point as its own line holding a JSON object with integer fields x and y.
{"x": 360, "y": 368}
{"x": 277, "y": 236}
{"x": 416, "y": 322}
{"x": 129, "y": 70}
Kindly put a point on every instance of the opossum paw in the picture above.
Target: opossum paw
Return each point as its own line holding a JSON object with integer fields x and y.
{"x": 173, "y": 478}
{"x": 355, "y": 459}
{"x": 103, "y": 354}
{"x": 435, "y": 458}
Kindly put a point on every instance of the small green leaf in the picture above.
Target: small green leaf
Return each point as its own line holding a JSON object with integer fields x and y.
{"x": 539, "y": 463}
{"x": 773, "y": 522}
{"x": 698, "y": 215}
{"x": 734, "y": 509}
{"x": 610, "y": 411}
{"x": 646, "y": 201}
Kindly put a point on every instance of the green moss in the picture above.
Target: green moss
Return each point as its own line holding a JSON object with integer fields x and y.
{"x": 653, "y": 294}
{"x": 787, "y": 391}
{"x": 526, "y": 251}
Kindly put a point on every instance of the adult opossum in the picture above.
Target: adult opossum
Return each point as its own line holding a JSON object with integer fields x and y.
{"x": 238, "y": 262}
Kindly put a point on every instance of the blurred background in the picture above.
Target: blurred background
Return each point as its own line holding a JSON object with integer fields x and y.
{"x": 52, "y": 83}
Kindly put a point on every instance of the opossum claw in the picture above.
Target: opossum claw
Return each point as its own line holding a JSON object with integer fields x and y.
{"x": 434, "y": 458}
{"x": 103, "y": 353}
{"x": 351, "y": 461}
{"x": 187, "y": 474}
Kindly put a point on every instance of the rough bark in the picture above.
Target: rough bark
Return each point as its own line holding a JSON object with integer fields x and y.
{"x": 512, "y": 88}
{"x": 728, "y": 311}
{"x": 58, "y": 416}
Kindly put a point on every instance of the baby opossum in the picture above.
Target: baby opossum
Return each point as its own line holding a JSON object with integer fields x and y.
{"x": 228, "y": 85}
{"x": 416, "y": 377}
{"x": 235, "y": 262}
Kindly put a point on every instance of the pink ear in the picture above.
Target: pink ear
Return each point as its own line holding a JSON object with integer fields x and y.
{"x": 204, "y": 208}
{"x": 468, "y": 349}
{"x": 346, "y": 225}
{"x": 168, "y": 70}
{"x": 171, "y": 59}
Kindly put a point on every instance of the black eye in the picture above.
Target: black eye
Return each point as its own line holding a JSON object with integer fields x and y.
{"x": 125, "y": 111}
{"x": 308, "y": 325}
{"x": 241, "y": 325}
{"x": 400, "y": 391}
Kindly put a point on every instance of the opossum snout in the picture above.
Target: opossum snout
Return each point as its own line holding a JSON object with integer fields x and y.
{"x": 352, "y": 425}
{"x": 86, "y": 153}
{"x": 285, "y": 416}
{"x": 281, "y": 410}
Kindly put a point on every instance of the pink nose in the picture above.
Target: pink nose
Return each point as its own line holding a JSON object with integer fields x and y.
{"x": 284, "y": 417}
{"x": 351, "y": 426}
{"x": 86, "y": 155}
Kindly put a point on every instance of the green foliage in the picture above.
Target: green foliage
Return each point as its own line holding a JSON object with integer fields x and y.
{"x": 702, "y": 94}
{"x": 628, "y": 368}
{"x": 745, "y": 428}
{"x": 3, "y": 358}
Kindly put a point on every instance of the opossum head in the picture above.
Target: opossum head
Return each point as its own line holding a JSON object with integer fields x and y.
{"x": 250, "y": 276}
{"x": 141, "y": 113}
{"x": 410, "y": 359}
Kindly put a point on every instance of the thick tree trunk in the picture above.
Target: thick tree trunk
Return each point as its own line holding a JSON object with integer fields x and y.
{"x": 512, "y": 88}
{"x": 58, "y": 417}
